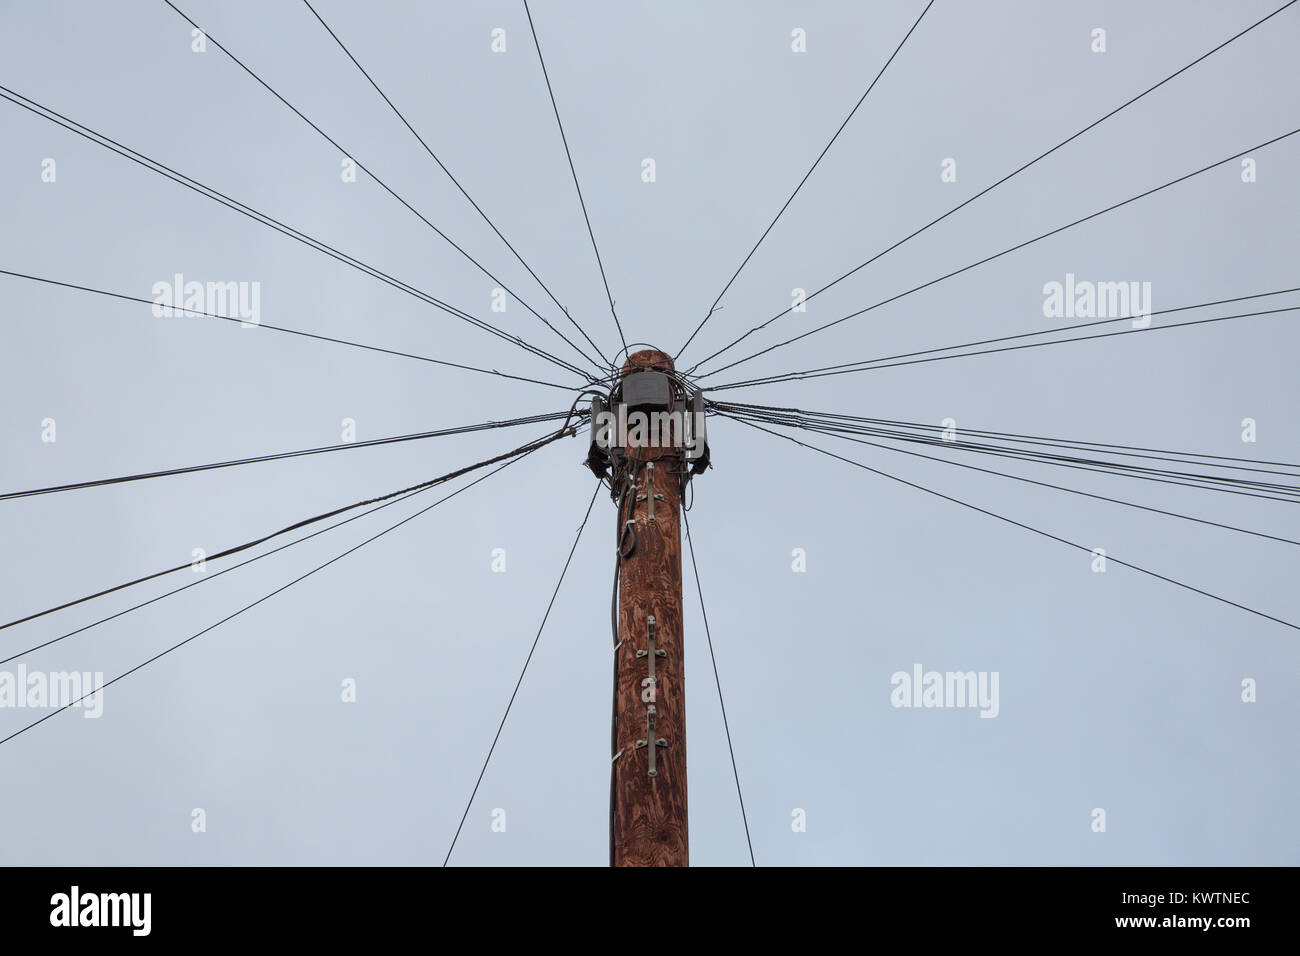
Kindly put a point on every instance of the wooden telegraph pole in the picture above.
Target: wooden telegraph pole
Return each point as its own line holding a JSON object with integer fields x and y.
{"x": 648, "y": 792}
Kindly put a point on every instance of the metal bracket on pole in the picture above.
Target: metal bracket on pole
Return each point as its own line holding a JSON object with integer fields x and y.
{"x": 650, "y": 733}
{"x": 651, "y": 651}
{"x": 649, "y": 497}
{"x": 649, "y": 695}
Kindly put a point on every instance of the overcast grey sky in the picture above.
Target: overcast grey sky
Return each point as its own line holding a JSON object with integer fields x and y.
{"x": 1116, "y": 691}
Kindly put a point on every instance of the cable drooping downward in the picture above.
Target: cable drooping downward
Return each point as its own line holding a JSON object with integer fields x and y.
{"x": 248, "y": 607}
{"x": 522, "y": 672}
{"x": 718, "y": 680}
{"x": 280, "y": 456}
{"x": 1030, "y": 528}
{"x": 256, "y": 558}
{"x": 523, "y": 449}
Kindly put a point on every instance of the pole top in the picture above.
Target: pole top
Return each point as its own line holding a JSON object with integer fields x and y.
{"x": 648, "y": 359}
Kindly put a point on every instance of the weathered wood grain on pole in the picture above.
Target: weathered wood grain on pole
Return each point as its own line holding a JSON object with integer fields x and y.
{"x": 648, "y": 817}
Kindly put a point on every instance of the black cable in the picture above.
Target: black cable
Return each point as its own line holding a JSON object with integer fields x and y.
{"x": 867, "y": 365}
{"x": 613, "y": 720}
{"x": 1213, "y": 482}
{"x": 1010, "y": 249}
{"x": 228, "y": 617}
{"x": 564, "y": 139}
{"x": 1009, "y": 176}
{"x": 279, "y": 328}
{"x": 806, "y": 175}
{"x": 370, "y": 443}
{"x": 453, "y": 179}
{"x": 1130, "y": 451}
{"x": 1045, "y": 484}
{"x": 265, "y": 554}
{"x": 797, "y": 376}
{"x": 1018, "y": 524}
{"x": 300, "y": 524}
{"x": 208, "y": 192}
{"x": 717, "y": 680}
{"x": 1290, "y": 493}
{"x": 522, "y": 672}
{"x": 620, "y": 498}
{"x": 240, "y": 63}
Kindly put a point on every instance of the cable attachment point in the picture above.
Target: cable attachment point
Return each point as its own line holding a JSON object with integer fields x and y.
{"x": 659, "y": 742}
{"x": 649, "y": 694}
{"x": 650, "y": 497}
